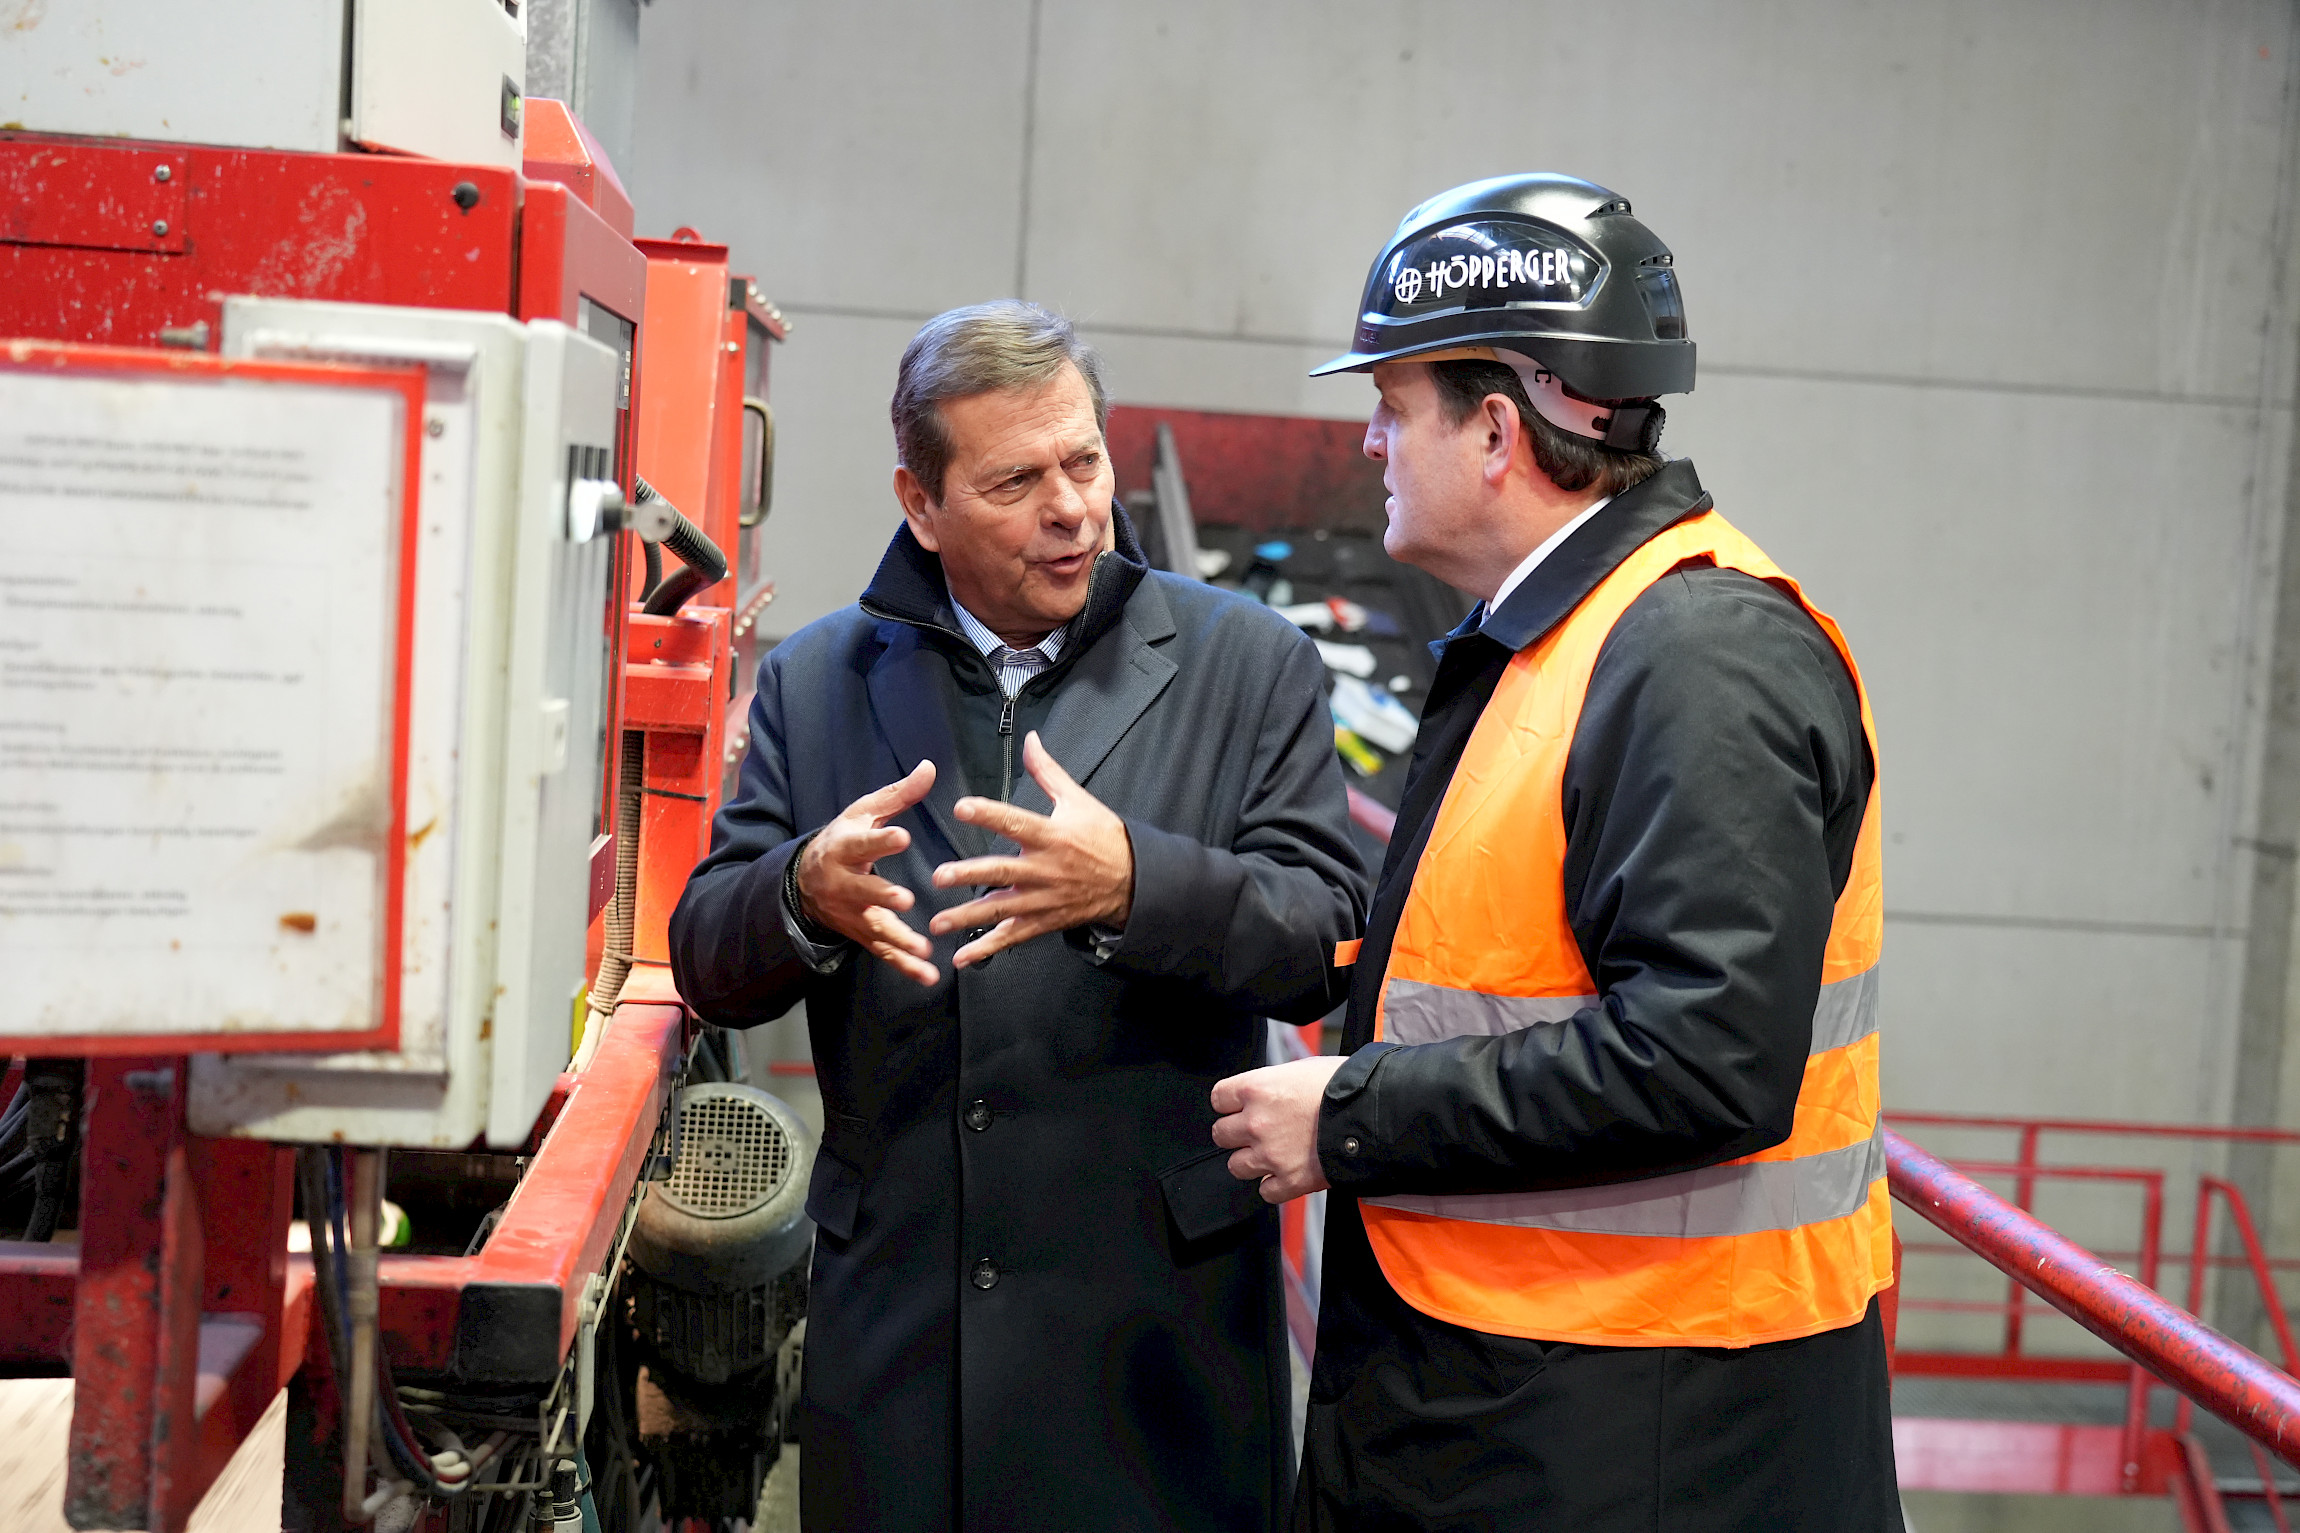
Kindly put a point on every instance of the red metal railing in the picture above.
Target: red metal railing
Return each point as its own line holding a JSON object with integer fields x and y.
{"x": 2162, "y": 1342}
{"x": 2234, "y": 1383}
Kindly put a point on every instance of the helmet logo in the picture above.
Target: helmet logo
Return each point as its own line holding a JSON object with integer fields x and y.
{"x": 1488, "y": 266}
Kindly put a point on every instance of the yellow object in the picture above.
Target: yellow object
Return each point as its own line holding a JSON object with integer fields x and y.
{"x": 1788, "y": 1242}
{"x": 1363, "y": 759}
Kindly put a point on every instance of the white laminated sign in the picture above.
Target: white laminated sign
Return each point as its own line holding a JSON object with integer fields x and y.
{"x": 203, "y": 626}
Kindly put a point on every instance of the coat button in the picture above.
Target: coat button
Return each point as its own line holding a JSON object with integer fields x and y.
{"x": 985, "y": 1274}
{"x": 1350, "y": 1145}
{"x": 978, "y": 1115}
{"x": 977, "y": 935}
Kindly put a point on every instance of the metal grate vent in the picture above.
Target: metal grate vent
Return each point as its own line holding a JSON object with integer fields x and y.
{"x": 733, "y": 1156}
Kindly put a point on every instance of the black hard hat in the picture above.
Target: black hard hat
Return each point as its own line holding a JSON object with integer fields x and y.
{"x": 1550, "y": 267}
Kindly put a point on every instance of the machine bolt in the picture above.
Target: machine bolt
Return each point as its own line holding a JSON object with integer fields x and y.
{"x": 163, "y": 174}
{"x": 435, "y": 427}
{"x": 159, "y": 228}
{"x": 466, "y": 195}
{"x": 160, "y": 1084}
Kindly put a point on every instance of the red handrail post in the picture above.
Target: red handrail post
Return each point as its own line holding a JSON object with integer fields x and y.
{"x": 2024, "y": 1199}
{"x": 2139, "y": 1383}
{"x": 2257, "y": 1255}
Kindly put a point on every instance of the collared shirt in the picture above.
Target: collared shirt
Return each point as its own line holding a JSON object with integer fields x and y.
{"x": 1533, "y": 560}
{"x": 1015, "y": 667}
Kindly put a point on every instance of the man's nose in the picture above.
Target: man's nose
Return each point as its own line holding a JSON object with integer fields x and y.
{"x": 1376, "y": 445}
{"x": 1066, "y": 507}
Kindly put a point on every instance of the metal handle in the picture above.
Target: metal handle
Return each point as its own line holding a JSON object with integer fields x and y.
{"x": 763, "y": 496}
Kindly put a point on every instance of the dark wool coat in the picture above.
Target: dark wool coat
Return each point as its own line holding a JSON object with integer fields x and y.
{"x": 1039, "y": 1300}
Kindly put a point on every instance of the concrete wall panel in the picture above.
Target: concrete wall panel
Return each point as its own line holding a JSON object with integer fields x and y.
{"x": 2050, "y": 621}
{"x": 862, "y": 156}
{"x": 2061, "y": 194}
{"x": 2017, "y": 1017}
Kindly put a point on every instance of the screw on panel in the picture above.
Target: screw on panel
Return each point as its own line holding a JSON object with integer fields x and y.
{"x": 162, "y": 174}
{"x": 160, "y": 229}
{"x": 466, "y": 195}
{"x": 434, "y": 426}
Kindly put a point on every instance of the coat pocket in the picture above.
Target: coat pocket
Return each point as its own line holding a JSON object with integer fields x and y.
{"x": 1205, "y": 1199}
{"x": 834, "y": 1195}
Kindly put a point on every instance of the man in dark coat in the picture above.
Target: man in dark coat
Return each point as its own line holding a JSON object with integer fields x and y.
{"x": 1038, "y": 1301}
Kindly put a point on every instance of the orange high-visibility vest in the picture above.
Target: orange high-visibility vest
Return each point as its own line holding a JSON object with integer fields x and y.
{"x": 1788, "y": 1242}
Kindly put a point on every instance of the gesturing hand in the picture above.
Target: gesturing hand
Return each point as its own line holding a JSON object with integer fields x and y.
{"x": 837, "y": 888}
{"x": 1076, "y": 865}
{"x": 1270, "y": 1117}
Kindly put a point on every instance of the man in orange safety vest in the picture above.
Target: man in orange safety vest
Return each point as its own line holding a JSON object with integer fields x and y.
{"x": 1609, "y": 1212}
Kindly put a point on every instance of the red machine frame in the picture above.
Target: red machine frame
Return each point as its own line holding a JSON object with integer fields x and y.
{"x": 181, "y": 1314}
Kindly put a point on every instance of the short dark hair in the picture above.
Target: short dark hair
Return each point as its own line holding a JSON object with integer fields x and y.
{"x": 1007, "y": 344}
{"x": 1571, "y": 462}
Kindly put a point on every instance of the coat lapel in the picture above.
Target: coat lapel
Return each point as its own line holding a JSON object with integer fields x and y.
{"x": 1111, "y": 685}
{"x": 910, "y": 701}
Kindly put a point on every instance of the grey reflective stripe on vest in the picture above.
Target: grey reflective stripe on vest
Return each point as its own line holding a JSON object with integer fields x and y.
{"x": 1415, "y": 1011}
{"x": 1690, "y": 1205}
{"x": 1846, "y": 1012}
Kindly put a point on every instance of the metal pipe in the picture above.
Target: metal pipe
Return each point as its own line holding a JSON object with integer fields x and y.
{"x": 2235, "y": 1384}
{"x": 360, "y": 1309}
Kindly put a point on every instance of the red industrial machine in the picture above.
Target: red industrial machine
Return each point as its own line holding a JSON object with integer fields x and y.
{"x": 460, "y": 1002}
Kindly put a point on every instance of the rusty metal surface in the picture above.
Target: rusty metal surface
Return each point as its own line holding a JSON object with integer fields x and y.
{"x": 130, "y": 1305}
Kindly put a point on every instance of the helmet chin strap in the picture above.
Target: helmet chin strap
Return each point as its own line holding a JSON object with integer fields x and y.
{"x": 1631, "y": 427}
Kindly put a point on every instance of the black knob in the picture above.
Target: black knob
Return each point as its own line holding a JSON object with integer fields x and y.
{"x": 985, "y": 1274}
{"x": 466, "y": 195}
{"x": 978, "y": 1115}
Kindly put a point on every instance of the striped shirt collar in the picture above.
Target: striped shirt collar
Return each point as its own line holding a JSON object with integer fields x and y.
{"x": 1014, "y": 666}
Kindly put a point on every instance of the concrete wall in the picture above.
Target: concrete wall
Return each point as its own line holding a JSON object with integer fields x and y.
{"x": 1995, "y": 311}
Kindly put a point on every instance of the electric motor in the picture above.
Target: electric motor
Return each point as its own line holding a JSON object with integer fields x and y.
{"x": 716, "y": 1287}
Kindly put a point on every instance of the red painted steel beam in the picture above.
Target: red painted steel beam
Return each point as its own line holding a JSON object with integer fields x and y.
{"x": 1995, "y": 1365}
{"x": 508, "y": 1315}
{"x": 2235, "y": 1384}
{"x": 36, "y": 1302}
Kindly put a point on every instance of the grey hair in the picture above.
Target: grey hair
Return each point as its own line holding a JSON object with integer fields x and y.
{"x": 980, "y": 349}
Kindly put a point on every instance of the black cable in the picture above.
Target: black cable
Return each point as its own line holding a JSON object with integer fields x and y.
{"x": 51, "y": 1121}
{"x": 704, "y": 565}
{"x": 654, "y": 555}
{"x": 313, "y": 1175}
{"x": 19, "y": 1109}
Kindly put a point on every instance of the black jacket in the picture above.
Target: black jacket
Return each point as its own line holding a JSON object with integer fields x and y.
{"x": 1039, "y": 1300}
{"x": 1712, "y": 795}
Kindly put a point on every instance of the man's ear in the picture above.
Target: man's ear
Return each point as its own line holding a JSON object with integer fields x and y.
{"x": 1502, "y": 433}
{"x": 918, "y": 508}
